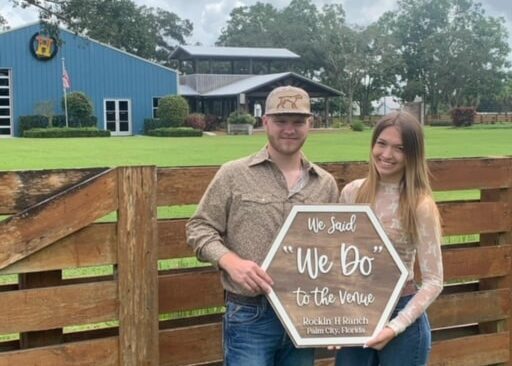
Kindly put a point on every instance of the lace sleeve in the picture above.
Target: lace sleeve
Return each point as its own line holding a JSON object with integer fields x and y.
{"x": 349, "y": 192}
{"x": 430, "y": 264}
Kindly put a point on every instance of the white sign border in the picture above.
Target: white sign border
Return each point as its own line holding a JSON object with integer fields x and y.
{"x": 281, "y": 312}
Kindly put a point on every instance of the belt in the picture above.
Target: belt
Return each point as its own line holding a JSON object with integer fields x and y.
{"x": 410, "y": 288}
{"x": 245, "y": 300}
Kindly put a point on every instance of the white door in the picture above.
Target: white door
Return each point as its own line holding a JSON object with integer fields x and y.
{"x": 118, "y": 117}
{"x": 5, "y": 103}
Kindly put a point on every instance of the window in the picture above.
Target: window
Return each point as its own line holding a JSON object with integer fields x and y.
{"x": 5, "y": 103}
{"x": 155, "y": 105}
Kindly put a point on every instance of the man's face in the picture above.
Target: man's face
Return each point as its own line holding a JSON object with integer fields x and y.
{"x": 286, "y": 133}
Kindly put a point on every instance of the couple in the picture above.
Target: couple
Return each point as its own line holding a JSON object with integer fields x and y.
{"x": 248, "y": 200}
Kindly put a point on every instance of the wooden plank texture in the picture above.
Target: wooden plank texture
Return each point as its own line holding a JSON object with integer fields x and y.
{"x": 56, "y": 307}
{"x": 470, "y": 307}
{"x": 137, "y": 267}
{"x": 20, "y": 190}
{"x": 470, "y": 173}
{"x": 41, "y": 225}
{"x": 101, "y": 352}
{"x": 187, "y": 185}
{"x": 479, "y": 350}
{"x": 94, "y": 245}
{"x": 172, "y": 239}
{"x": 191, "y": 346}
{"x": 181, "y": 186}
{"x": 476, "y": 263}
{"x": 496, "y": 218}
{"x": 198, "y": 289}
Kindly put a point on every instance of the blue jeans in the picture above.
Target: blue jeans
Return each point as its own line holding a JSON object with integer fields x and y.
{"x": 254, "y": 336}
{"x": 409, "y": 348}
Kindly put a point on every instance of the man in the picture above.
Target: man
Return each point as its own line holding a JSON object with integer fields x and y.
{"x": 238, "y": 218}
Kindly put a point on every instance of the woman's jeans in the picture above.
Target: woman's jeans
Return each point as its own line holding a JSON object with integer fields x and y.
{"x": 409, "y": 348}
{"x": 254, "y": 336}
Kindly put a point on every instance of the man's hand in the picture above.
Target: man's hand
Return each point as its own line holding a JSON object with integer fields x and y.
{"x": 246, "y": 273}
{"x": 380, "y": 340}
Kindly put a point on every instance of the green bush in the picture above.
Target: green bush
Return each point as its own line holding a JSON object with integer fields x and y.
{"x": 175, "y": 132}
{"x": 463, "y": 116}
{"x": 34, "y": 121}
{"x": 152, "y": 124}
{"x": 80, "y": 110}
{"x": 357, "y": 125}
{"x": 195, "y": 120}
{"x": 173, "y": 109}
{"x": 239, "y": 118}
{"x": 212, "y": 122}
{"x": 65, "y": 132}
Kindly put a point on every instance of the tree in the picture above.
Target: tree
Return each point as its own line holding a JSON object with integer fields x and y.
{"x": 452, "y": 52}
{"x": 46, "y": 108}
{"x": 3, "y": 23}
{"x": 151, "y": 33}
{"x": 252, "y": 26}
{"x": 262, "y": 25}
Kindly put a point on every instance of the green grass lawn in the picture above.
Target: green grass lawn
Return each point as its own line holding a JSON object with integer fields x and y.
{"x": 338, "y": 145}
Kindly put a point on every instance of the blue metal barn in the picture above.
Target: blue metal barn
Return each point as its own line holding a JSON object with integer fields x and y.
{"x": 124, "y": 88}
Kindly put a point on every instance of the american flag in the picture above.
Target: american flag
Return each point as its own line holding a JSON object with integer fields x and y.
{"x": 66, "y": 81}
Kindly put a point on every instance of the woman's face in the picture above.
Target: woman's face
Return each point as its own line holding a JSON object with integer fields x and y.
{"x": 388, "y": 155}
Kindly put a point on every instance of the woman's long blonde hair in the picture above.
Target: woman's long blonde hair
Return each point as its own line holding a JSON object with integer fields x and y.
{"x": 414, "y": 185}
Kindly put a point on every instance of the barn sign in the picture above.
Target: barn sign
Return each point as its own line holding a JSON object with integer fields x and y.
{"x": 337, "y": 277}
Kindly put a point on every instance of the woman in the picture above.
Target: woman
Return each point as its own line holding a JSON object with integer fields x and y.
{"x": 398, "y": 190}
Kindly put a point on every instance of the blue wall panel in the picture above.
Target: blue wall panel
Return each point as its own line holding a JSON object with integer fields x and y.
{"x": 100, "y": 71}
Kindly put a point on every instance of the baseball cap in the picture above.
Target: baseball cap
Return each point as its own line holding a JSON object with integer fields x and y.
{"x": 288, "y": 100}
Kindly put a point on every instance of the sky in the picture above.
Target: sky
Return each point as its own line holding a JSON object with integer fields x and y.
{"x": 209, "y": 16}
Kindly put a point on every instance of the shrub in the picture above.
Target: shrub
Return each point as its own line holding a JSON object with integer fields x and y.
{"x": 357, "y": 125}
{"x": 34, "y": 121}
{"x": 239, "y": 118}
{"x": 79, "y": 109}
{"x": 65, "y": 132}
{"x": 173, "y": 109}
{"x": 195, "y": 120}
{"x": 463, "y": 116}
{"x": 212, "y": 122}
{"x": 152, "y": 124}
{"x": 175, "y": 132}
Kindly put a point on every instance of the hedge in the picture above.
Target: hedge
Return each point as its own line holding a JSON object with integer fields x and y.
{"x": 175, "y": 132}
{"x": 65, "y": 132}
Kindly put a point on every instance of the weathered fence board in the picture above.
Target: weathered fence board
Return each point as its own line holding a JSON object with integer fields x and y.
{"x": 55, "y": 307}
{"x": 137, "y": 255}
{"x": 101, "y": 352}
{"x": 471, "y": 307}
{"x": 53, "y": 219}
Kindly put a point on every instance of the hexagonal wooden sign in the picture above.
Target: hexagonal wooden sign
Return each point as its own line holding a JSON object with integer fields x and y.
{"x": 337, "y": 277}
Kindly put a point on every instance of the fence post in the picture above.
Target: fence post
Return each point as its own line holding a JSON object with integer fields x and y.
{"x": 137, "y": 269}
{"x": 499, "y": 195}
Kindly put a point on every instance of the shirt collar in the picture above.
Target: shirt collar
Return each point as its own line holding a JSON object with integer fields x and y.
{"x": 262, "y": 156}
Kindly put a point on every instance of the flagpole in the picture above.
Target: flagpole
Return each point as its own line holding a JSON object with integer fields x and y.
{"x": 65, "y": 96}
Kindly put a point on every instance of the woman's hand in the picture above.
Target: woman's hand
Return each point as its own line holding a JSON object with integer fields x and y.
{"x": 380, "y": 340}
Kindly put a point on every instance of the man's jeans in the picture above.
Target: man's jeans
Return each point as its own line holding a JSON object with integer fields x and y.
{"x": 410, "y": 348}
{"x": 254, "y": 336}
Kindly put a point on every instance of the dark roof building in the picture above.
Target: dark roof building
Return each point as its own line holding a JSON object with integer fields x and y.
{"x": 219, "y": 80}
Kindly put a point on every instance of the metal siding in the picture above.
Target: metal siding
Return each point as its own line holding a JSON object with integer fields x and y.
{"x": 98, "y": 70}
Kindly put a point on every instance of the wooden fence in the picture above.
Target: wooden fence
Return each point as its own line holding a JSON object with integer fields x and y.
{"x": 483, "y": 118}
{"x": 53, "y": 226}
